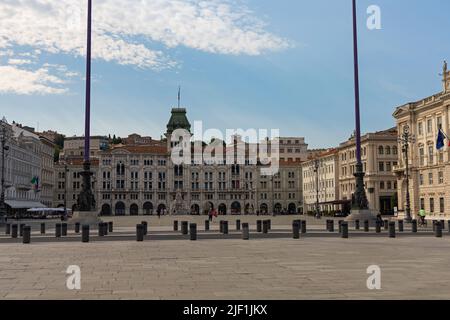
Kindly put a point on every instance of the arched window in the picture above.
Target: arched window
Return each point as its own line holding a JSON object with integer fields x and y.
{"x": 395, "y": 150}
{"x": 380, "y": 150}
{"x": 388, "y": 150}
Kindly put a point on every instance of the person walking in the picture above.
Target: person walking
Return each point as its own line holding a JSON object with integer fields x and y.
{"x": 422, "y": 216}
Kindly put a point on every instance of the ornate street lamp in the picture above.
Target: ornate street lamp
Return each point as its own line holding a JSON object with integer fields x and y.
{"x": 405, "y": 139}
{"x": 3, "y": 139}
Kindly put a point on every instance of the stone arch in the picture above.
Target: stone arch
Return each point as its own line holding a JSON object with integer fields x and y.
{"x": 195, "y": 209}
{"x": 119, "y": 209}
{"x": 236, "y": 207}
{"x": 134, "y": 210}
{"x": 106, "y": 210}
{"x": 223, "y": 209}
{"x": 263, "y": 208}
{"x": 148, "y": 208}
{"x": 292, "y": 208}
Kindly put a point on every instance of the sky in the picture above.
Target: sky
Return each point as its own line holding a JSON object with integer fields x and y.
{"x": 263, "y": 64}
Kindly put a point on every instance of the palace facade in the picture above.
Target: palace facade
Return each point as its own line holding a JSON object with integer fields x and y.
{"x": 429, "y": 168}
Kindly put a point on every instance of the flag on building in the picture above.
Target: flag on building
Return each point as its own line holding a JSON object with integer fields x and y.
{"x": 440, "y": 143}
{"x": 35, "y": 183}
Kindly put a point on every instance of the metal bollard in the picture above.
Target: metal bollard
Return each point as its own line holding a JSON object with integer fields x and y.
{"x": 206, "y": 225}
{"x": 238, "y": 225}
{"x": 145, "y": 224}
{"x": 414, "y": 226}
{"x": 140, "y": 229}
{"x": 245, "y": 232}
{"x": 175, "y": 225}
{"x": 392, "y": 229}
{"x": 434, "y": 225}
{"x": 340, "y": 222}
{"x": 8, "y": 228}
{"x": 303, "y": 226}
{"x": 386, "y": 224}
{"x": 85, "y": 233}
{"x": 193, "y": 231}
{"x": 22, "y": 225}
{"x": 26, "y": 234}
{"x": 14, "y": 230}
{"x": 77, "y": 227}
{"x": 184, "y": 227}
{"x": 438, "y": 230}
{"x": 328, "y": 225}
{"x": 58, "y": 230}
{"x": 331, "y": 227}
{"x": 296, "y": 229}
{"x": 100, "y": 229}
{"x": 64, "y": 229}
{"x": 357, "y": 227}
{"x": 400, "y": 226}
{"x": 105, "y": 228}
{"x": 366, "y": 225}
{"x": 443, "y": 224}
{"x": 259, "y": 226}
{"x": 265, "y": 226}
{"x": 225, "y": 227}
{"x": 110, "y": 226}
{"x": 344, "y": 227}
{"x": 269, "y": 223}
{"x": 378, "y": 226}
{"x": 221, "y": 226}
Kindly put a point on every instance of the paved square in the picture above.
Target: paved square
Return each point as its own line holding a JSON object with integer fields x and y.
{"x": 309, "y": 268}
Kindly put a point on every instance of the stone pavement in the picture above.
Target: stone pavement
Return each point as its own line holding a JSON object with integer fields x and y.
{"x": 309, "y": 268}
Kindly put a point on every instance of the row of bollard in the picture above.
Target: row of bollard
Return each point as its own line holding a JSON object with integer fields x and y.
{"x": 191, "y": 228}
{"x": 61, "y": 230}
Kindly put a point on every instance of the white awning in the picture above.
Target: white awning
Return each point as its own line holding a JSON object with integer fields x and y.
{"x": 21, "y": 204}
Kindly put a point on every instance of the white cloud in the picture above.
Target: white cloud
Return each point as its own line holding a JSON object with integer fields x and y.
{"x": 125, "y": 32}
{"x": 19, "y": 61}
{"x": 20, "y": 81}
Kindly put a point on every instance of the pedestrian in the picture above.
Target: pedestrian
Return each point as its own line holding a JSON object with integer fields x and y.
{"x": 159, "y": 214}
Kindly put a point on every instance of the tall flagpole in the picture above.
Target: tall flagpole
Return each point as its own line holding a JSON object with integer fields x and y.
{"x": 86, "y": 201}
{"x": 360, "y": 199}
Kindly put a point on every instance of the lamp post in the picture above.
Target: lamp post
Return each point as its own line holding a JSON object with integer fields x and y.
{"x": 4, "y": 147}
{"x": 316, "y": 170}
{"x": 360, "y": 198}
{"x": 66, "y": 170}
{"x": 405, "y": 139}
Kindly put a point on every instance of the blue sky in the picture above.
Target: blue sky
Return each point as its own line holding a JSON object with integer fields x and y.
{"x": 302, "y": 83}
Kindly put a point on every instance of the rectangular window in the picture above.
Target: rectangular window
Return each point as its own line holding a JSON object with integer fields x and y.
{"x": 422, "y": 203}
{"x": 429, "y": 126}
{"x": 381, "y": 166}
{"x": 441, "y": 177}
{"x": 431, "y": 205}
{"x": 420, "y": 128}
{"x": 439, "y": 122}
{"x": 441, "y": 205}
{"x": 430, "y": 178}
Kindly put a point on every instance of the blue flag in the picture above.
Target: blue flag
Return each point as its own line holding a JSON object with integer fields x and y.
{"x": 440, "y": 140}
